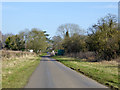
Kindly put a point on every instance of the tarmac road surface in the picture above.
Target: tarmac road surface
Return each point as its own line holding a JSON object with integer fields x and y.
{"x": 52, "y": 74}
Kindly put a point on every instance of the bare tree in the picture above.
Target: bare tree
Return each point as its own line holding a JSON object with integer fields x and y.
{"x": 57, "y": 42}
{"x": 4, "y": 37}
{"x": 70, "y": 28}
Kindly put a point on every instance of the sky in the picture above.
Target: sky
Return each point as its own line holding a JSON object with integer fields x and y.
{"x": 48, "y": 16}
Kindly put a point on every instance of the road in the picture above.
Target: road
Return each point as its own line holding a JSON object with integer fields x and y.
{"x": 52, "y": 74}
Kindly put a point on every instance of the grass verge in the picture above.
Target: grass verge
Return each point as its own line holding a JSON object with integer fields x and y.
{"x": 105, "y": 72}
{"x": 43, "y": 54}
{"x": 16, "y": 72}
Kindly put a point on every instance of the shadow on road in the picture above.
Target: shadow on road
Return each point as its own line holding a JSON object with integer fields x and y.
{"x": 48, "y": 60}
{"x": 47, "y": 56}
{"x": 79, "y": 60}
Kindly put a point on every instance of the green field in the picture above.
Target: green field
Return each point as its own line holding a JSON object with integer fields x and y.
{"x": 105, "y": 72}
{"x": 16, "y": 71}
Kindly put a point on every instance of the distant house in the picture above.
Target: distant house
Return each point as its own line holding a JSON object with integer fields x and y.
{"x": 31, "y": 50}
{"x": 52, "y": 53}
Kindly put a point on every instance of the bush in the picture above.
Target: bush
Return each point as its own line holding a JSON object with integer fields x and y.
{"x": 74, "y": 44}
{"x": 89, "y": 56}
{"x": 105, "y": 38}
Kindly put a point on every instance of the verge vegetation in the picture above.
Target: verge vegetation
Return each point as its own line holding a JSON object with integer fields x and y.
{"x": 105, "y": 72}
{"x": 17, "y": 67}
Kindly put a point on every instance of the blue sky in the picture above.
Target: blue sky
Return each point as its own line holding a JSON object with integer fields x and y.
{"x": 50, "y": 15}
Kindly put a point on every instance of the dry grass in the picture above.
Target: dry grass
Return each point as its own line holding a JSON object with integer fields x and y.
{"x": 17, "y": 66}
{"x": 8, "y": 54}
{"x": 88, "y": 56}
{"x": 105, "y": 72}
{"x": 91, "y": 56}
